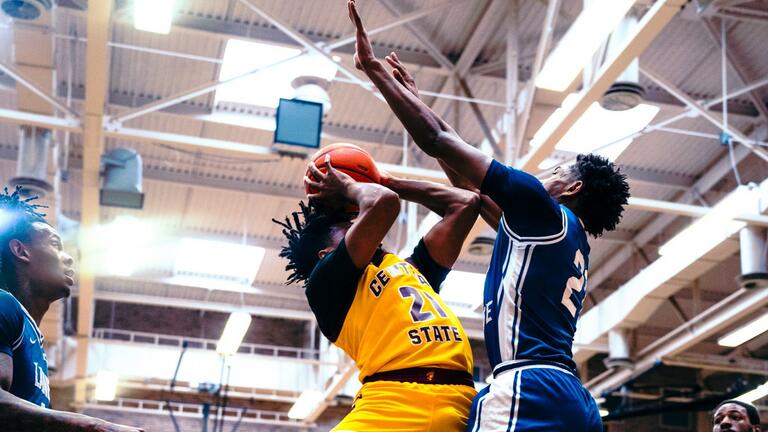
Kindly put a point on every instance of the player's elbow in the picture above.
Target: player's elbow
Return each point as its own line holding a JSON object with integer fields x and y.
{"x": 467, "y": 202}
{"x": 384, "y": 201}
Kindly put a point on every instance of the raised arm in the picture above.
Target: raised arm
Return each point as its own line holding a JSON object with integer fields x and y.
{"x": 433, "y": 135}
{"x": 458, "y": 207}
{"x": 378, "y": 205}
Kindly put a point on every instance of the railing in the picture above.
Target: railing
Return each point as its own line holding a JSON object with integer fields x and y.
{"x": 231, "y": 414}
{"x": 306, "y": 354}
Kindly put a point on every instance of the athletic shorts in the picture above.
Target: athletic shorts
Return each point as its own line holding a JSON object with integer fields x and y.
{"x": 528, "y": 396}
{"x": 384, "y": 406}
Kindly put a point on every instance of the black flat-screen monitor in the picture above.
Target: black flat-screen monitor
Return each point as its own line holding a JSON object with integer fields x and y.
{"x": 299, "y": 122}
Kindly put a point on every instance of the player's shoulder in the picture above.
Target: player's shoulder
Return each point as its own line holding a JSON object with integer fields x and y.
{"x": 8, "y": 303}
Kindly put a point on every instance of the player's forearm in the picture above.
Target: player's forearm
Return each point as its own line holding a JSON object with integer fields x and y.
{"x": 438, "y": 198}
{"x": 369, "y": 196}
{"x": 18, "y": 415}
{"x": 428, "y": 130}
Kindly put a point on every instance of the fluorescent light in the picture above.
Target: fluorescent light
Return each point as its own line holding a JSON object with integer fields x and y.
{"x": 747, "y": 332}
{"x": 598, "y": 130}
{"x": 234, "y": 332}
{"x": 758, "y": 393}
{"x": 106, "y": 386}
{"x": 593, "y": 25}
{"x": 714, "y": 227}
{"x": 463, "y": 291}
{"x": 305, "y": 404}
{"x": 153, "y": 15}
{"x": 603, "y": 412}
{"x": 215, "y": 264}
{"x": 266, "y": 87}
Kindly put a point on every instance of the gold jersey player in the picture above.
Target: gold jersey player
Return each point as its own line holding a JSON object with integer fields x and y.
{"x": 414, "y": 358}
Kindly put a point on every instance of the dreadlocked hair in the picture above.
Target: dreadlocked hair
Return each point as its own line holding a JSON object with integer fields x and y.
{"x": 16, "y": 218}
{"x": 603, "y": 195}
{"x": 307, "y": 231}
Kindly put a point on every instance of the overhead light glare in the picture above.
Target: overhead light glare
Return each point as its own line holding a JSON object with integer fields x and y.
{"x": 745, "y": 333}
{"x": 234, "y": 332}
{"x": 756, "y": 394}
{"x": 106, "y": 386}
{"x": 216, "y": 264}
{"x": 593, "y": 25}
{"x": 153, "y": 15}
{"x": 598, "y": 130}
{"x": 307, "y": 402}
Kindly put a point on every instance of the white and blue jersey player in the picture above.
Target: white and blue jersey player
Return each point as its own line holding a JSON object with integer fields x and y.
{"x": 534, "y": 290}
{"x": 537, "y": 279}
{"x": 21, "y": 340}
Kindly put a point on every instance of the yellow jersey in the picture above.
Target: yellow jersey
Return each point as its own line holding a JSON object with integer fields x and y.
{"x": 397, "y": 320}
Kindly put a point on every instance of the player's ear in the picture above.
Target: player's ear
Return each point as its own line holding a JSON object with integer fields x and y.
{"x": 323, "y": 252}
{"x": 573, "y": 188}
{"x": 19, "y": 250}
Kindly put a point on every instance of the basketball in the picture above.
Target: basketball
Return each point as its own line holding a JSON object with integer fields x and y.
{"x": 349, "y": 159}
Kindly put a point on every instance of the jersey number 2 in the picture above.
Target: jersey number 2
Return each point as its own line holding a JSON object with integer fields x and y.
{"x": 417, "y": 304}
{"x": 575, "y": 284}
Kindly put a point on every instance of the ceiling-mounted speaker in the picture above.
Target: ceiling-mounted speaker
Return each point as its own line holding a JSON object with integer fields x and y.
{"x": 25, "y": 9}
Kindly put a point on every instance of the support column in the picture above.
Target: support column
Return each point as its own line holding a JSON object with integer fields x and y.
{"x": 96, "y": 75}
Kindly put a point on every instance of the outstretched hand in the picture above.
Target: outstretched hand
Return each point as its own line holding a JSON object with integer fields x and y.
{"x": 329, "y": 187}
{"x": 363, "y": 50}
{"x": 401, "y": 74}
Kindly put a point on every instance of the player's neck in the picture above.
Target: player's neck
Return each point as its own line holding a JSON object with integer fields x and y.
{"x": 36, "y": 306}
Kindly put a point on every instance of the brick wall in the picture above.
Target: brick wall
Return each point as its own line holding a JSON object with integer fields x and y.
{"x": 191, "y": 323}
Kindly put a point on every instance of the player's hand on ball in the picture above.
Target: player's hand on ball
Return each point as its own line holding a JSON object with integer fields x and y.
{"x": 330, "y": 186}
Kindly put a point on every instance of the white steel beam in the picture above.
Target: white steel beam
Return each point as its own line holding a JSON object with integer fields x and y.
{"x": 19, "y": 78}
{"x": 402, "y": 19}
{"x": 40, "y": 120}
{"x": 715, "y": 319}
{"x": 308, "y": 44}
{"x": 652, "y": 23}
{"x": 636, "y": 300}
{"x": 714, "y": 118}
{"x": 547, "y": 31}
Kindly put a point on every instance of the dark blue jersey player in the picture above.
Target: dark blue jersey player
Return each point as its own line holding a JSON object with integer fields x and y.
{"x": 537, "y": 278}
{"x": 34, "y": 272}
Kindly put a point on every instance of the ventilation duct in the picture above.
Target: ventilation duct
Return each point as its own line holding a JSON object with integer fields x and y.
{"x": 626, "y": 93}
{"x": 26, "y": 9}
{"x": 754, "y": 254}
{"x": 618, "y": 349}
{"x": 122, "y": 179}
{"x": 32, "y": 162}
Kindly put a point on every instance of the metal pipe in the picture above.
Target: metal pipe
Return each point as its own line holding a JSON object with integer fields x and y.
{"x": 308, "y": 44}
{"x": 197, "y": 91}
{"x": 403, "y": 19}
{"x": 10, "y": 71}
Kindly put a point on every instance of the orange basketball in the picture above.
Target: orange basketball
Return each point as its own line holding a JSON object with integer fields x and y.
{"x": 348, "y": 158}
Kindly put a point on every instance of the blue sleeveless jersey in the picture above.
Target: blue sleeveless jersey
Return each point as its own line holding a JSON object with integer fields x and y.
{"x": 536, "y": 282}
{"x": 22, "y": 341}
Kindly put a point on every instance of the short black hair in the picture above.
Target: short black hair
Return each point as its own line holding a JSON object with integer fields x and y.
{"x": 603, "y": 194}
{"x": 16, "y": 218}
{"x": 752, "y": 412}
{"x": 307, "y": 231}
